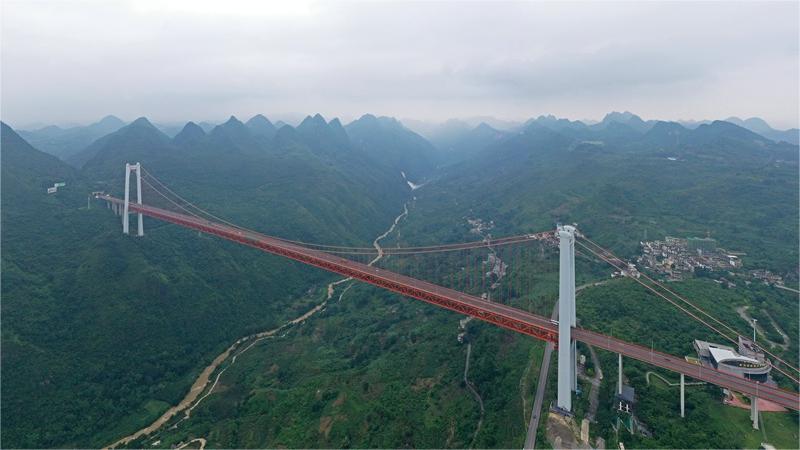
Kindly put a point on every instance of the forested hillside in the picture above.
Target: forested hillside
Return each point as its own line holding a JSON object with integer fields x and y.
{"x": 719, "y": 180}
{"x": 102, "y": 331}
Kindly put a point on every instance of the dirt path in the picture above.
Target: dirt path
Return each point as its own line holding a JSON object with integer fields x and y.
{"x": 780, "y": 331}
{"x": 742, "y": 310}
{"x": 523, "y": 389}
{"x": 787, "y": 288}
{"x": 190, "y": 401}
{"x": 202, "y": 442}
{"x": 594, "y": 391}
{"x": 475, "y": 393}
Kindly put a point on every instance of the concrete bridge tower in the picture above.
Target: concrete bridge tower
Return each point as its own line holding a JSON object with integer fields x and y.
{"x": 125, "y": 222}
{"x": 567, "y": 364}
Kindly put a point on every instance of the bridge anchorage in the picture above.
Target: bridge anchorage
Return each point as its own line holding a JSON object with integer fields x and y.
{"x": 563, "y": 333}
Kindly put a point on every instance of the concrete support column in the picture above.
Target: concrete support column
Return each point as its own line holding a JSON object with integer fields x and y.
{"x": 619, "y": 374}
{"x": 754, "y": 411}
{"x": 683, "y": 413}
{"x": 567, "y": 363}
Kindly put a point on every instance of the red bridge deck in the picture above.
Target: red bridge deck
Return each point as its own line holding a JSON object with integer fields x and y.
{"x": 496, "y": 313}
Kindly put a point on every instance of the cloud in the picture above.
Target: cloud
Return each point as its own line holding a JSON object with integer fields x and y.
{"x": 65, "y": 61}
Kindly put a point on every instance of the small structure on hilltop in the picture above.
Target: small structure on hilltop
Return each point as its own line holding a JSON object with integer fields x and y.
{"x": 625, "y": 408}
{"x": 54, "y": 188}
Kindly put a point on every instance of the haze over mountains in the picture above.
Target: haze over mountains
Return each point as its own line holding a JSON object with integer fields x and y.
{"x": 64, "y": 143}
{"x": 73, "y": 144}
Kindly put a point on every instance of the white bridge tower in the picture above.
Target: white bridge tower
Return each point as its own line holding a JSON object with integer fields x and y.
{"x": 567, "y": 363}
{"x": 125, "y": 221}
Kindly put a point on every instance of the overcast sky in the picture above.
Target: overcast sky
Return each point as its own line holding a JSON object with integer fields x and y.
{"x": 72, "y": 62}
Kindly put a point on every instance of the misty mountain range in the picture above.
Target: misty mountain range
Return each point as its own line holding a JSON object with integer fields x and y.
{"x": 77, "y": 144}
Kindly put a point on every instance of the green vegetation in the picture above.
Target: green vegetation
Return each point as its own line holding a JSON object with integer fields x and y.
{"x": 374, "y": 370}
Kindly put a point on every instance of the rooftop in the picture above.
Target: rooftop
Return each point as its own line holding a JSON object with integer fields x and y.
{"x": 724, "y": 354}
{"x": 628, "y": 394}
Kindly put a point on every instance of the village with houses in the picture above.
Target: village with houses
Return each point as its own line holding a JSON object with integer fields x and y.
{"x": 679, "y": 258}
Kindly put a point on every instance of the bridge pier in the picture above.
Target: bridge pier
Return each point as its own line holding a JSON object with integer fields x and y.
{"x": 619, "y": 374}
{"x": 683, "y": 413}
{"x": 754, "y": 411}
{"x": 567, "y": 362}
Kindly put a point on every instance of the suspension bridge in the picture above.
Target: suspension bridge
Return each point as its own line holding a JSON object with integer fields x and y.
{"x": 474, "y": 297}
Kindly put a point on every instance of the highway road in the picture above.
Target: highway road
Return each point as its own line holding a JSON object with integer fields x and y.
{"x": 498, "y": 314}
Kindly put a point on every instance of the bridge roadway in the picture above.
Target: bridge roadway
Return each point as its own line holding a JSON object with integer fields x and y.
{"x": 496, "y": 313}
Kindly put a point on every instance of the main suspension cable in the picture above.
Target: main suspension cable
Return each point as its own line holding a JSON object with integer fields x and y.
{"x": 144, "y": 180}
{"x": 363, "y": 250}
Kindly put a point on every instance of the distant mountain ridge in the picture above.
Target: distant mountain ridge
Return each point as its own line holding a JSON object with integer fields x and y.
{"x": 445, "y": 134}
{"x": 387, "y": 141}
{"x": 134, "y": 140}
{"x": 261, "y": 126}
{"x": 760, "y": 126}
{"x": 64, "y": 143}
{"x": 446, "y": 143}
{"x": 626, "y": 118}
{"x": 190, "y": 134}
{"x": 617, "y": 130}
{"x": 372, "y": 147}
